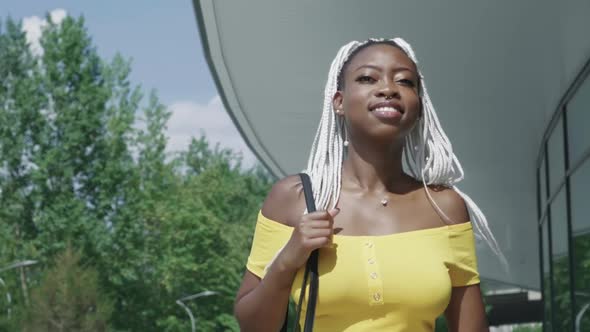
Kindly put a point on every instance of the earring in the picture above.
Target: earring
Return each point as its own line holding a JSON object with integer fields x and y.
{"x": 343, "y": 126}
{"x": 345, "y": 134}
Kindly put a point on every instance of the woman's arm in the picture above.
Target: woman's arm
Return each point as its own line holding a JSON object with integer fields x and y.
{"x": 466, "y": 311}
{"x": 261, "y": 304}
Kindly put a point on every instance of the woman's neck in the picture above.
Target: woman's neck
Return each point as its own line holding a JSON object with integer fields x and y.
{"x": 373, "y": 170}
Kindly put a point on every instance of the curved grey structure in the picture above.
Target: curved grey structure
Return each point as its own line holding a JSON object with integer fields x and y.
{"x": 496, "y": 72}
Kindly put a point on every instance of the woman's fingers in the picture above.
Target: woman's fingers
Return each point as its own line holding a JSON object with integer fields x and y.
{"x": 333, "y": 212}
{"x": 327, "y": 215}
{"x": 319, "y": 242}
{"x": 316, "y": 229}
{"x": 310, "y": 224}
{"x": 316, "y": 232}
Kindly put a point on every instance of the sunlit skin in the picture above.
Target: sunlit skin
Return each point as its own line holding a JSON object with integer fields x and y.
{"x": 378, "y": 75}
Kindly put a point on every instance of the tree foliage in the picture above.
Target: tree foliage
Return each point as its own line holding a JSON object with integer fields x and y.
{"x": 84, "y": 162}
{"x": 69, "y": 299}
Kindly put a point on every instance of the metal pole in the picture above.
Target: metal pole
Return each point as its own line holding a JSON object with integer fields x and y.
{"x": 9, "y": 267}
{"x": 190, "y": 314}
{"x": 580, "y": 315}
{"x": 192, "y": 297}
{"x": 18, "y": 264}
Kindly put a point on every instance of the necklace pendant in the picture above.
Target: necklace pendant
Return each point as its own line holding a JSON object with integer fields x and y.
{"x": 384, "y": 202}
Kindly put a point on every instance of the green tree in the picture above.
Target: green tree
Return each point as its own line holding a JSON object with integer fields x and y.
{"x": 69, "y": 298}
{"x": 582, "y": 277}
{"x": 67, "y": 169}
{"x": 21, "y": 102}
{"x": 83, "y": 162}
{"x": 209, "y": 224}
{"x": 531, "y": 328}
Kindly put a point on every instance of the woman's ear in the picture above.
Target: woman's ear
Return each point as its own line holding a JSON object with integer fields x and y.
{"x": 337, "y": 102}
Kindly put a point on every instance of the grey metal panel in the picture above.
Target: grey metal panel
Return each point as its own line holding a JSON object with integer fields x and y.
{"x": 214, "y": 53}
{"x": 486, "y": 65}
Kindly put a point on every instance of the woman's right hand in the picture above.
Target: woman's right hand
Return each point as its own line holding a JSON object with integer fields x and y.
{"x": 313, "y": 231}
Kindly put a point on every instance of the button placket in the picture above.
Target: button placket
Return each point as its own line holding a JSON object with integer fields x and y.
{"x": 375, "y": 283}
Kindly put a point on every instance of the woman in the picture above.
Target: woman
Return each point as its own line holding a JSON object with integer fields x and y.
{"x": 396, "y": 247}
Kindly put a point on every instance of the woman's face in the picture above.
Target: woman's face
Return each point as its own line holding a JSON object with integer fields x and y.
{"x": 379, "y": 99}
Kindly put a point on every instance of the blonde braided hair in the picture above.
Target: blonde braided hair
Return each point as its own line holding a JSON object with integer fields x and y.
{"x": 428, "y": 153}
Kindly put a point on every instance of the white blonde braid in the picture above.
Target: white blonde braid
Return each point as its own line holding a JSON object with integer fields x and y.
{"x": 428, "y": 153}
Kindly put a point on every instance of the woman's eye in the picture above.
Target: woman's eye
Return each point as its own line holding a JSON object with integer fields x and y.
{"x": 407, "y": 82}
{"x": 365, "y": 79}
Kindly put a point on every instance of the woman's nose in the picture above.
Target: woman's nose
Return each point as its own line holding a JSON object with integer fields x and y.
{"x": 387, "y": 90}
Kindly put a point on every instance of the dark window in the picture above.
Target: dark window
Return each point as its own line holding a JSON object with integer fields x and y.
{"x": 556, "y": 157}
{"x": 578, "y": 121}
{"x": 546, "y": 275}
{"x": 580, "y": 210}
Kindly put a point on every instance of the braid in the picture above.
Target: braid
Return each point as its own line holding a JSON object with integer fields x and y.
{"x": 324, "y": 166}
{"x": 428, "y": 153}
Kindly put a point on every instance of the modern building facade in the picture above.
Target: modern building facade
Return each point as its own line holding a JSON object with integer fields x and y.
{"x": 509, "y": 82}
{"x": 563, "y": 171}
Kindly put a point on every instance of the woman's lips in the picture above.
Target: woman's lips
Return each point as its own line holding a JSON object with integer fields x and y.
{"x": 388, "y": 104}
{"x": 387, "y": 113}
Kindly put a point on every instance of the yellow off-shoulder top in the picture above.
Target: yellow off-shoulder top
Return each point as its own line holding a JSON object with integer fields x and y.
{"x": 396, "y": 282}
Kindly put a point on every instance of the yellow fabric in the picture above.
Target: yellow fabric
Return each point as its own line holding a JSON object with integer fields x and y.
{"x": 397, "y": 282}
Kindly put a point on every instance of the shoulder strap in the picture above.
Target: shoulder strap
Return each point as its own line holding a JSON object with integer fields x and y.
{"x": 308, "y": 192}
{"x": 312, "y": 262}
{"x": 311, "y": 270}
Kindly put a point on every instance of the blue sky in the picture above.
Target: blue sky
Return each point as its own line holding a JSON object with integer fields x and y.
{"x": 162, "y": 39}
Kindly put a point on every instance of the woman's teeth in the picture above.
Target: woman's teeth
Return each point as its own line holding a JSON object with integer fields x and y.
{"x": 385, "y": 109}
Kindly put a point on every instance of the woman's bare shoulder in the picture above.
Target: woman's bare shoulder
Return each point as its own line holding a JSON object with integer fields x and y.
{"x": 451, "y": 203}
{"x": 285, "y": 202}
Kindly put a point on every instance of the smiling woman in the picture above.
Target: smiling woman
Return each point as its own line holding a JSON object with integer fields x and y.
{"x": 377, "y": 77}
{"x": 396, "y": 248}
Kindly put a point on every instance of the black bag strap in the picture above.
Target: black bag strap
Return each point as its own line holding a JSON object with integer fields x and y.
{"x": 308, "y": 192}
{"x": 312, "y": 262}
{"x": 311, "y": 270}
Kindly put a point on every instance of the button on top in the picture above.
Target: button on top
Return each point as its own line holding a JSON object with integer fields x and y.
{"x": 377, "y": 296}
{"x": 369, "y": 244}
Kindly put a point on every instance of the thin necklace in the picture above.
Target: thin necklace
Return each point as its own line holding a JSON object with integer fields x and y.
{"x": 385, "y": 200}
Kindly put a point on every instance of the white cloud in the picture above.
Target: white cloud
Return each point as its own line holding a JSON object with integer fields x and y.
{"x": 33, "y": 27}
{"x": 58, "y": 15}
{"x": 188, "y": 119}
